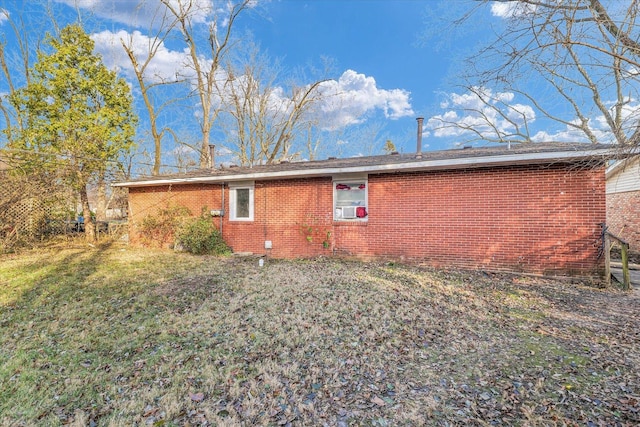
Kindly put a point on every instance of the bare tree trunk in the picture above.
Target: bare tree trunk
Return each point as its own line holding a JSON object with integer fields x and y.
{"x": 89, "y": 226}
{"x": 101, "y": 202}
{"x": 147, "y": 87}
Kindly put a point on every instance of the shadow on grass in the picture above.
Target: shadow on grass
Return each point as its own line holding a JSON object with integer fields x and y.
{"x": 49, "y": 275}
{"x": 59, "y": 326}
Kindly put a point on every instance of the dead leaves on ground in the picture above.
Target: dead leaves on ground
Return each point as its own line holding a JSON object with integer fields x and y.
{"x": 346, "y": 343}
{"x": 327, "y": 342}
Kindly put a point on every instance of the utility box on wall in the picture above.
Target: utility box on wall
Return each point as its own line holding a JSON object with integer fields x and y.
{"x": 217, "y": 212}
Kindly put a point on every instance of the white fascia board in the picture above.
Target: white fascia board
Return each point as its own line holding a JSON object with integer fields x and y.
{"x": 425, "y": 165}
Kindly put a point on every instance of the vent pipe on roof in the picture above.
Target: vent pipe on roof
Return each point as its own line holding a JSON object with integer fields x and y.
{"x": 212, "y": 156}
{"x": 419, "y": 138}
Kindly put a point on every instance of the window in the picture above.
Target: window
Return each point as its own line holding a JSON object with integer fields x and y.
{"x": 241, "y": 201}
{"x": 350, "y": 199}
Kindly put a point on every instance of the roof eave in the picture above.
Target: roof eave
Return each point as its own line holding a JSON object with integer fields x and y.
{"x": 425, "y": 165}
{"x": 621, "y": 165}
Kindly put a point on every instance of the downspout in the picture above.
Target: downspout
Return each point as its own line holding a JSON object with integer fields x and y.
{"x": 222, "y": 210}
{"x": 264, "y": 221}
{"x": 212, "y": 165}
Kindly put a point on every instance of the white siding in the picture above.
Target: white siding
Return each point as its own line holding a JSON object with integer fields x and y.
{"x": 626, "y": 179}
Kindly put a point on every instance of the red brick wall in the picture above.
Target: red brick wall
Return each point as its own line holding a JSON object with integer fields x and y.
{"x": 531, "y": 219}
{"x": 521, "y": 218}
{"x": 623, "y": 217}
{"x": 146, "y": 201}
{"x": 286, "y": 212}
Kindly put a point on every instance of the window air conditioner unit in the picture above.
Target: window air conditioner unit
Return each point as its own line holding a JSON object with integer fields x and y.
{"x": 349, "y": 212}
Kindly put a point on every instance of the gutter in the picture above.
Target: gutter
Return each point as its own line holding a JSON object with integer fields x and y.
{"x": 424, "y": 165}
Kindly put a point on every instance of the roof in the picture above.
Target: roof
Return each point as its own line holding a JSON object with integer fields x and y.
{"x": 535, "y": 153}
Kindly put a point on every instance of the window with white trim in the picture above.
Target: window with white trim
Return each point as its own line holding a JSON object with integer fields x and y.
{"x": 350, "y": 199}
{"x": 241, "y": 201}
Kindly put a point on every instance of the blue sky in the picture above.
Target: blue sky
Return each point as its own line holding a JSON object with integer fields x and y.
{"x": 386, "y": 70}
{"x": 376, "y": 38}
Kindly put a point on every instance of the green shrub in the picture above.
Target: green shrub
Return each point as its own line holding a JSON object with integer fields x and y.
{"x": 199, "y": 236}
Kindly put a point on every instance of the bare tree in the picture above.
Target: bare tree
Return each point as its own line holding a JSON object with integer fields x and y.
{"x": 265, "y": 120}
{"x": 206, "y": 69}
{"x": 149, "y": 83}
{"x": 12, "y": 71}
{"x": 482, "y": 114}
{"x": 576, "y": 62}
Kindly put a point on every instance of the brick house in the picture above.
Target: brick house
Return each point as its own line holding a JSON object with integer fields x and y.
{"x": 534, "y": 208}
{"x": 623, "y": 200}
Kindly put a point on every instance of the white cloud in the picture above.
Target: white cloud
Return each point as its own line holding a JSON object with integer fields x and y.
{"x": 511, "y": 9}
{"x": 630, "y": 115}
{"x": 349, "y": 99}
{"x": 633, "y": 71}
{"x": 223, "y": 151}
{"x": 182, "y": 150}
{"x": 569, "y": 134}
{"x": 345, "y": 101}
{"x": 480, "y": 111}
{"x": 4, "y": 15}
{"x": 164, "y": 66}
{"x": 517, "y": 112}
{"x": 483, "y": 113}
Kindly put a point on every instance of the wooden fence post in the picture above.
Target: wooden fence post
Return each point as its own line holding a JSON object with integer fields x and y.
{"x": 626, "y": 279}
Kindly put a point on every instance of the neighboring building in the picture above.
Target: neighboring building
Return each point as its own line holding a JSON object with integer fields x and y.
{"x": 534, "y": 208}
{"x": 623, "y": 200}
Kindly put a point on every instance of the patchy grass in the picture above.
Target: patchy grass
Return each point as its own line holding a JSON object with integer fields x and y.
{"x": 116, "y": 336}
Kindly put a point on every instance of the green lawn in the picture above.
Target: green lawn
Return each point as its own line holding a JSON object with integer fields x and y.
{"x": 120, "y": 336}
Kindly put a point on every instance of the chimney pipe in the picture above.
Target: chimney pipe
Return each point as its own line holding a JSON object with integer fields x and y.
{"x": 419, "y": 138}
{"x": 212, "y": 156}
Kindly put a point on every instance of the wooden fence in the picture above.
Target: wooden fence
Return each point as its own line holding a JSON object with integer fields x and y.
{"x": 610, "y": 240}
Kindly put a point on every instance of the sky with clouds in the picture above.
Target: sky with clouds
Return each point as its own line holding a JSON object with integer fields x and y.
{"x": 382, "y": 72}
{"x": 369, "y": 80}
